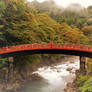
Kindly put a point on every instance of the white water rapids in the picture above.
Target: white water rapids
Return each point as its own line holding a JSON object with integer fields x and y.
{"x": 56, "y": 76}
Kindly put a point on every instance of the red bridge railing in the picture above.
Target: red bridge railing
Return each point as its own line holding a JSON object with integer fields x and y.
{"x": 50, "y": 45}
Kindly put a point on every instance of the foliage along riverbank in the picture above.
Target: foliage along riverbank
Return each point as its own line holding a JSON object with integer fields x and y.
{"x": 83, "y": 81}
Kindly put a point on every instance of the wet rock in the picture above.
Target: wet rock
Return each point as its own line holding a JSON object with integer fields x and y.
{"x": 77, "y": 72}
{"x": 36, "y": 76}
{"x": 69, "y": 84}
{"x": 58, "y": 70}
{"x": 69, "y": 88}
{"x": 69, "y": 69}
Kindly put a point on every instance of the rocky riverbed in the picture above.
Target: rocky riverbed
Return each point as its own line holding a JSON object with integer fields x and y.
{"x": 54, "y": 78}
{"x": 50, "y": 77}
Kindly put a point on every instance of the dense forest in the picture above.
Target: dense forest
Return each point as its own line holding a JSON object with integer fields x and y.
{"x": 22, "y": 22}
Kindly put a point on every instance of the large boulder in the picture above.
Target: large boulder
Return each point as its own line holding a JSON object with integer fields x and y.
{"x": 36, "y": 76}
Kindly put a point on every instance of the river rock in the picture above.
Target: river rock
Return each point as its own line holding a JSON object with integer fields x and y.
{"x": 69, "y": 69}
{"x": 69, "y": 88}
{"x": 36, "y": 76}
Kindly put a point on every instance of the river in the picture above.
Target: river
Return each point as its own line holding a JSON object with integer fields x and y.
{"x": 55, "y": 77}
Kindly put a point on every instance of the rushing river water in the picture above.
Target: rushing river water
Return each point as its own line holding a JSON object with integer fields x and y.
{"x": 55, "y": 77}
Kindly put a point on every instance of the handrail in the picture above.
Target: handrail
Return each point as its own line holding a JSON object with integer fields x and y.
{"x": 50, "y": 45}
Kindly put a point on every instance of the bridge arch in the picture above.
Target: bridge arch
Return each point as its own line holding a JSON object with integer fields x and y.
{"x": 47, "y": 48}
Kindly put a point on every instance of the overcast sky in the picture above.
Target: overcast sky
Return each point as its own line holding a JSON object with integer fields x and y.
{"x": 65, "y": 3}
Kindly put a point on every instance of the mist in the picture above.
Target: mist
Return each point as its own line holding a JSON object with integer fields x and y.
{"x": 66, "y": 3}
{"x": 51, "y": 5}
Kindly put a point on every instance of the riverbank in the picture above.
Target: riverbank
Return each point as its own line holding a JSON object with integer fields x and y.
{"x": 72, "y": 86}
{"x": 83, "y": 81}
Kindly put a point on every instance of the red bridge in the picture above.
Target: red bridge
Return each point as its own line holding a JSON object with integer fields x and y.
{"x": 49, "y": 48}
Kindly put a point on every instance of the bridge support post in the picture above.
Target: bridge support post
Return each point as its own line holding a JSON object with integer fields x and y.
{"x": 10, "y": 69}
{"x": 82, "y": 64}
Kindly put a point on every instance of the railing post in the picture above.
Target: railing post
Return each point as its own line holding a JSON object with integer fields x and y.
{"x": 51, "y": 44}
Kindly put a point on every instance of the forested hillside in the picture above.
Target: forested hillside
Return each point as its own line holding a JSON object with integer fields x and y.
{"x": 22, "y": 23}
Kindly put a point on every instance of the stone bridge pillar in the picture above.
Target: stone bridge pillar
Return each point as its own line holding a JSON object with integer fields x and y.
{"x": 82, "y": 64}
{"x": 10, "y": 68}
